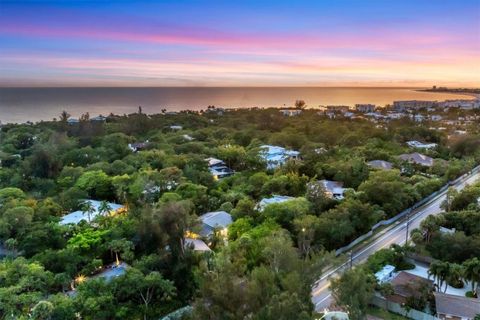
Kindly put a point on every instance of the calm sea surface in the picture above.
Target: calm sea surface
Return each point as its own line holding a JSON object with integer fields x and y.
{"x": 34, "y": 104}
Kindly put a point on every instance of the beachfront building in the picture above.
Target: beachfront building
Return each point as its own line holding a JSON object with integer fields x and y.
{"x": 420, "y": 145}
{"x": 218, "y": 168}
{"x": 276, "y": 156}
{"x": 365, "y": 107}
{"x": 417, "y": 158}
{"x": 96, "y": 208}
{"x": 465, "y": 104}
{"x": 217, "y": 220}
{"x": 274, "y": 199}
{"x": 291, "y": 112}
{"x": 405, "y": 105}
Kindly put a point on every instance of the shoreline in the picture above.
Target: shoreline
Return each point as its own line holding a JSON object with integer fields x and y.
{"x": 464, "y": 93}
{"x": 17, "y": 106}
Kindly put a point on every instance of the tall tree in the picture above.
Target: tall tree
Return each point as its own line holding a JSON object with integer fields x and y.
{"x": 353, "y": 291}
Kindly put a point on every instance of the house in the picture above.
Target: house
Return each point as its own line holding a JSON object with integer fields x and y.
{"x": 333, "y": 189}
{"x": 446, "y": 230}
{"x": 188, "y": 137}
{"x": 99, "y": 118}
{"x": 413, "y": 105}
{"x": 77, "y": 216}
{"x": 291, "y": 112}
{"x": 73, "y": 121}
{"x": 218, "y": 168}
{"x": 456, "y": 307}
{"x": 112, "y": 271}
{"x": 418, "y": 118}
{"x": 138, "y": 146}
{"x": 417, "y": 158}
{"x": 380, "y": 164}
{"x": 435, "y": 117}
{"x": 365, "y": 107}
{"x": 407, "y": 285}
{"x": 335, "y": 315}
{"x": 196, "y": 245}
{"x": 421, "y": 145}
{"x": 215, "y": 220}
{"x": 276, "y": 156}
{"x": 386, "y": 274}
{"x": 274, "y": 199}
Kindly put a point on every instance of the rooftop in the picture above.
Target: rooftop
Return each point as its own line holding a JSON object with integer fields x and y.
{"x": 447, "y": 304}
{"x": 77, "y": 216}
{"x": 380, "y": 164}
{"x": 417, "y": 158}
{"x": 274, "y": 199}
{"x": 216, "y": 219}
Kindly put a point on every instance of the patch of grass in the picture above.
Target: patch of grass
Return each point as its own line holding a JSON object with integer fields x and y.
{"x": 384, "y": 314}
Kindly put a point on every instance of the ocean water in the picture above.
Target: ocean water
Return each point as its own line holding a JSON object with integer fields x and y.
{"x": 35, "y": 104}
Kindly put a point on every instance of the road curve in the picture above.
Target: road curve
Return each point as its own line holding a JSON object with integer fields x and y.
{"x": 396, "y": 233}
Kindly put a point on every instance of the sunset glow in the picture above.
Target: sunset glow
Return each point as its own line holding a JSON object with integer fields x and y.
{"x": 190, "y": 43}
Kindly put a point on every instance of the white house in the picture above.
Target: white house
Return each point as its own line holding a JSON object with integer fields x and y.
{"x": 291, "y": 112}
{"x": 421, "y": 145}
{"x": 385, "y": 274}
{"x": 276, "y": 156}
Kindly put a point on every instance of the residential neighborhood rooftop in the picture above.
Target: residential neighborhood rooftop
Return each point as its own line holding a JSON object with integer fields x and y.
{"x": 76, "y": 216}
{"x": 274, "y": 199}
{"x": 380, "y": 164}
{"x": 417, "y": 158}
{"x": 456, "y": 307}
{"x": 212, "y": 220}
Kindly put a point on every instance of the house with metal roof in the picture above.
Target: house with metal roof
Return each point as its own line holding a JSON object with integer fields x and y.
{"x": 333, "y": 189}
{"x": 385, "y": 274}
{"x": 380, "y": 164}
{"x": 421, "y": 145}
{"x": 197, "y": 245}
{"x": 417, "y": 158}
{"x": 76, "y": 216}
{"x": 218, "y": 168}
{"x": 274, "y": 199}
{"x": 214, "y": 220}
{"x": 276, "y": 156}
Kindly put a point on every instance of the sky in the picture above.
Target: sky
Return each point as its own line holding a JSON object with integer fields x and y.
{"x": 240, "y": 43}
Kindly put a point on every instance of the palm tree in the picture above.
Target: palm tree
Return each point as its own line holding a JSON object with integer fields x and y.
{"x": 471, "y": 273}
{"x": 104, "y": 208}
{"x": 454, "y": 275}
{"x": 430, "y": 225}
{"x": 88, "y": 209}
{"x": 439, "y": 271}
{"x": 64, "y": 116}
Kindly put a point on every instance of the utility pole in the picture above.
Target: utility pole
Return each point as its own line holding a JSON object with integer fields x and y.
{"x": 408, "y": 224}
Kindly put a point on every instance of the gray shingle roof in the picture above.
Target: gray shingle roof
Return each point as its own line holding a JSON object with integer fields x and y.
{"x": 464, "y": 307}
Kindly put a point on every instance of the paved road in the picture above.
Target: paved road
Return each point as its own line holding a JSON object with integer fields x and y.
{"x": 396, "y": 233}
